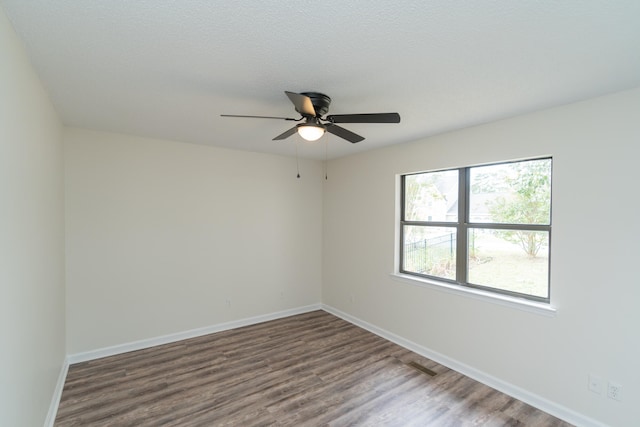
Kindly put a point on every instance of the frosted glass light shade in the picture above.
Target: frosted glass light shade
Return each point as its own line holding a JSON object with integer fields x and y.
{"x": 310, "y": 132}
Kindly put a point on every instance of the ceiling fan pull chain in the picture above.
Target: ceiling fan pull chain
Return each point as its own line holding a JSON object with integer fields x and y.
{"x": 326, "y": 149}
{"x": 297, "y": 164}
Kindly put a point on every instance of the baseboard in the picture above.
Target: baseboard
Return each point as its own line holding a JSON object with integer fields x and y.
{"x": 57, "y": 395}
{"x": 170, "y": 338}
{"x": 534, "y": 400}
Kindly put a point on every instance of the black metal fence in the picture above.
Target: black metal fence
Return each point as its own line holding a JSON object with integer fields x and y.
{"x": 431, "y": 256}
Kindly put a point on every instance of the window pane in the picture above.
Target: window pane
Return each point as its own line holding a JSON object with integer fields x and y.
{"x": 511, "y": 260}
{"x": 431, "y": 196}
{"x": 511, "y": 193}
{"x": 430, "y": 250}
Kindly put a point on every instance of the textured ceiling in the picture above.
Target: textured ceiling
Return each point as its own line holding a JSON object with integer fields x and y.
{"x": 168, "y": 69}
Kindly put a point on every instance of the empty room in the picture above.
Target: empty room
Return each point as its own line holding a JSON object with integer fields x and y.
{"x": 409, "y": 213}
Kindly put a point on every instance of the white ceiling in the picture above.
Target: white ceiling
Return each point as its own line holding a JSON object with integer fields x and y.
{"x": 168, "y": 69}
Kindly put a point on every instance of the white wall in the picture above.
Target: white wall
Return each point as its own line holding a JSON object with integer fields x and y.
{"x": 595, "y": 250}
{"x": 31, "y": 240}
{"x": 155, "y": 230}
{"x": 160, "y": 234}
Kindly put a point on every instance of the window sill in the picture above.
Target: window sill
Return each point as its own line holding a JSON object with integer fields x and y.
{"x": 504, "y": 300}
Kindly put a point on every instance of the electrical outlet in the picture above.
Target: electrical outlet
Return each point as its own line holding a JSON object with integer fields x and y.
{"x": 595, "y": 384}
{"x": 614, "y": 391}
{"x": 228, "y": 302}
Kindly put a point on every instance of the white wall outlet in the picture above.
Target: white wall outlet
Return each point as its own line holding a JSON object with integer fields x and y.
{"x": 614, "y": 391}
{"x": 228, "y": 302}
{"x": 595, "y": 384}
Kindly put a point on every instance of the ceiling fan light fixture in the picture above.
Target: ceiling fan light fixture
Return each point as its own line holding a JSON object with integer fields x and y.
{"x": 311, "y": 131}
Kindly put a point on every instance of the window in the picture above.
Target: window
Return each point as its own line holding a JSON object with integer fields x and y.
{"x": 486, "y": 227}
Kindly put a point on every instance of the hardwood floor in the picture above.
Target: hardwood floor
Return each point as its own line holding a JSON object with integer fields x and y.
{"x": 312, "y": 369}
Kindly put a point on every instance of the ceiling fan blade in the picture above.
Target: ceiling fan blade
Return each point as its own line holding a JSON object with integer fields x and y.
{"x": 365, "y": 118}
{"x": 260, "y": 117}
{"x": 286, "y": 134}
{"x": 302, "y": 103}
{"x": 343, "y": 133}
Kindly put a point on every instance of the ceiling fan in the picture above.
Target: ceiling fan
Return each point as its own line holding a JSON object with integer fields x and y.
{"x": 312, "y": 106}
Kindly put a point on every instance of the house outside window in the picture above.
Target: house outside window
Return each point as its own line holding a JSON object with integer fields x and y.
{"x": 486, "y": 227}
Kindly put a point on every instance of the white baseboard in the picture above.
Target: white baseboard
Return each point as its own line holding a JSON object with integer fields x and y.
{"x": 534, "y": 400}
{"x": 170, "y": 338}
{"x": 57, "y": 394}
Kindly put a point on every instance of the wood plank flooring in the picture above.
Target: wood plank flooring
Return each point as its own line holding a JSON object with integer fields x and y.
{"x": 312, "y": 369}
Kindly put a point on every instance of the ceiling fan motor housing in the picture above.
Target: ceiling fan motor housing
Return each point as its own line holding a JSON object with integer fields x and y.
{"x": 320, "y": 102}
